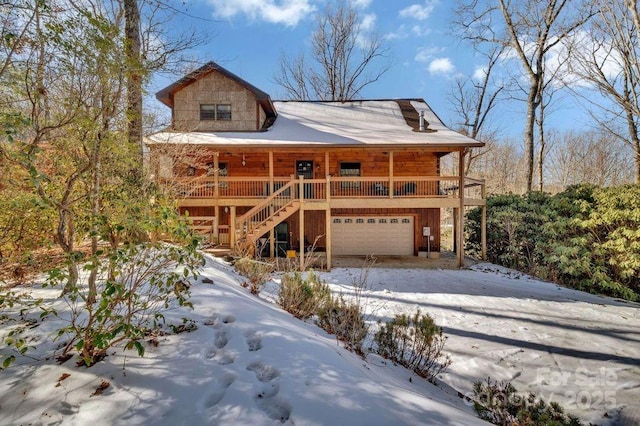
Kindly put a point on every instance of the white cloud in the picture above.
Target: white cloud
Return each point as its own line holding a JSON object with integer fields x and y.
{"x": 399, "y": 34}
{"x": 426, "y": 54}
{"x": 479, "y": 73}
{"x": 287, "y": 12}
{"x": 368, "y": 22}
{"x": 362, "y": 4}
{"x": 441, "y": 66}
{"x": 419, "y": 11}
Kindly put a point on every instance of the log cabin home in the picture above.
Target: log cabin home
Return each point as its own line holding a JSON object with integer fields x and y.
{"x": 350, "y": 178}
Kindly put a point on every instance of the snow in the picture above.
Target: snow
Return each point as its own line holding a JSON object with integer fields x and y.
{"x": 575, "y": 348}
{"x": 354, "y": 123}
{"x": 247, "y": 363}
{"x": 250, "y": 363}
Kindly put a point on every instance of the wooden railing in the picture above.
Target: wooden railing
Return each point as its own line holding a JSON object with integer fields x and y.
{"x": 267, "y": 208}
{"x": 339, "y": 187}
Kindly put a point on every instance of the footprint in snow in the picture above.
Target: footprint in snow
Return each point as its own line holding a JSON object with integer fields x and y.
{"x": 264, "y": 372}
{"x": 276, "y": 408}
{"x": 218, "y": 389}
{"x": 67, "y": 409}
{"x": 221, "y": 339}
{"x": 267, "y": 398}
{"x": 254, "y": 340}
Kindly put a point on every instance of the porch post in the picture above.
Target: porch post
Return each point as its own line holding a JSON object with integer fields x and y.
{"x": 483, "y": 224}
{"x": 327, "y": 236}
{"x": 301, "y": 222}
{"x": 460, "y": 236}
{"x": 232, "y": 226}
{"x": 216, "y": 175}
{"x": 327, "y": 226}
{"x": 391, "y": 191}
{"x": 272, "y": 231}
{"x": 216, "y": 222}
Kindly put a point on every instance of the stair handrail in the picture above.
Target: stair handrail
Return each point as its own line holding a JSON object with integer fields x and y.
{"x": 256, "y": 213}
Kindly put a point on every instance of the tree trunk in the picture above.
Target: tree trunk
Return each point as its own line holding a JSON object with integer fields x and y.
{"x": 635, "y": 142}
{"x": 134, "y": 79}
{"x": 529, "y": 134}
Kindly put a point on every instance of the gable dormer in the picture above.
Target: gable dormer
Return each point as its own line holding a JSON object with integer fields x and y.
{"x": 212, "y": 99}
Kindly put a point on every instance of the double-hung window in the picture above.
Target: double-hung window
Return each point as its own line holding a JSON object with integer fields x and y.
{"x": 215, "y": 112}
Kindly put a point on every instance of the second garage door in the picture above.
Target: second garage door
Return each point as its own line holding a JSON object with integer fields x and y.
{"x": 362, "y": 235}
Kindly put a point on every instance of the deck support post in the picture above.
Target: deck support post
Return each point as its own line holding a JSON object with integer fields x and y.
{"x": 460, "y": 235}
{"x": 301, "y": 222}
{"x": 483, "y": 230}
{"x": 232, "y": 227}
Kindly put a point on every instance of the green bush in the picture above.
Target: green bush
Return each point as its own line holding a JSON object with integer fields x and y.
{"x": 345, "y": 320}
{"x": 586, "y": 237}
{"x": 303, "y": 297}
{"x": 500, "y": 404}
{"x": 135, "y": 284}
{"x": 414, "y": 342}
{"x": 256, "y": 272}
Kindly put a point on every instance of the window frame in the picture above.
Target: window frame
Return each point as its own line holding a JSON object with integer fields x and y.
{"x": 343, "y": 172}
{"x": 216, "y": 112}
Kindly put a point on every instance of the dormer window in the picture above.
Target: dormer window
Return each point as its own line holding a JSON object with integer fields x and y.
{"x": 215, "y": 112}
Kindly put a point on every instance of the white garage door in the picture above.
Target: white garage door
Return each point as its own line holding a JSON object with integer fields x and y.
{"x": 389, "y": 235}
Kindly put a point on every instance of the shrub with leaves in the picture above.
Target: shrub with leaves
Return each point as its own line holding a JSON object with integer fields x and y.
{"x": 256, "y": 271}
{"x": 586, "y": 237}
{"x": 344, "y": 319}
{"x": 303, "y": 297}
{"x": 16, "y": 322}
{"x": 500, "y": 404}
{"x": 414, "y": 342}
{"x": 135, "y": 284}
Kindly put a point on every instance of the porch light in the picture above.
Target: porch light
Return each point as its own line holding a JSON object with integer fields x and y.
{"x": 244, "y": 163}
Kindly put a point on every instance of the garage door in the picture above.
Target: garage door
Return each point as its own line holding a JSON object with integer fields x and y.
{"x": 389, "y": 235}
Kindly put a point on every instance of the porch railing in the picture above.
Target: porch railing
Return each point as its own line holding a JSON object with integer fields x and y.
{"x": 333, "y": 187}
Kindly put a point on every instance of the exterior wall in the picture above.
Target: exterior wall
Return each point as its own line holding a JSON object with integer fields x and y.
{"x": 373, "y": 163}
{"x": 215, "y": 89}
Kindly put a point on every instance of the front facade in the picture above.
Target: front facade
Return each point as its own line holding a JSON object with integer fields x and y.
{"x": 347, "y": 178}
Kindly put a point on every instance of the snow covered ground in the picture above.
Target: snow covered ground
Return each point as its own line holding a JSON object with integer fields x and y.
{"x": 579, "y": 349}
{"x": 250, "y": 363}
{"x": 247, "y": 363}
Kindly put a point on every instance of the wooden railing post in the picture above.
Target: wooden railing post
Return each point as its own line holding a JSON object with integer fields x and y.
{"x": 391, "y": 182}
{"x": 328, "y": 189}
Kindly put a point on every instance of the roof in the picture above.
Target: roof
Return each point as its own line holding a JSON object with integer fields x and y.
{"x": 379, "y": 123}
{"x": 166, "y": 95}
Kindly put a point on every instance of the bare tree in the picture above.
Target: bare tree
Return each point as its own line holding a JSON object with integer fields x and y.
{"x": 532, "y": 31}
{"x": 588, "y": 157}
{"x": 473, "y": 100}
{"x": 607, "y": 58}
{"x": 343, "y": 59}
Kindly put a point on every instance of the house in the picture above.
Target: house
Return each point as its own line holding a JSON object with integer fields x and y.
{"x": 352, "y": 178}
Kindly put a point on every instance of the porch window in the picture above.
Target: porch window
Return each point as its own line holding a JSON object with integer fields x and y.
{"x": 350, "y": 170}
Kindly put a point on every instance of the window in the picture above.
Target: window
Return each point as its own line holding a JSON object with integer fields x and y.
{"x": 406, "y": 221}
{"x": 348, "y": 221}
{"x": 382, "y": 221}
{"x": 337, "y": 221}
{"x": 394, "y": 220}
{"x": 207, "y": 112}
{"x": 223, "y": 112}
{"x": 350, "y": 170}
{"x": 371, "y": 221}
{"x": 219, "y": 112}
{"x": 359, "y": 220}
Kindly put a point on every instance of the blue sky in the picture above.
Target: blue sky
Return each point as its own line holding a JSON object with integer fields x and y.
{"x": 249, "y": 37}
